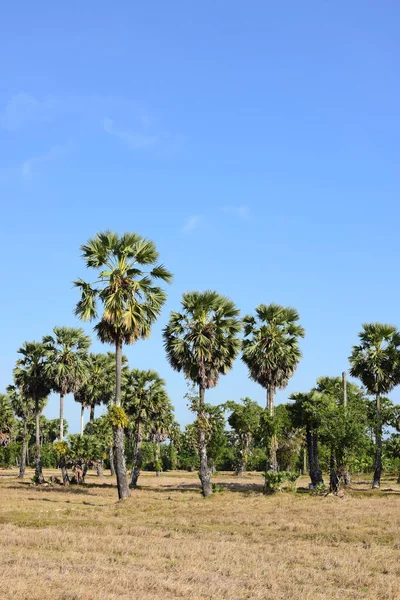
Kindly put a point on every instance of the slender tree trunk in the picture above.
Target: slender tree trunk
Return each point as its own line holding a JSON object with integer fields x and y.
{"x": 112, "y": 465}
{"x": 378, "y": 445}
{"x": 304, "y": 461}
{"x": 61, "y": 417}
{"x": 99, "y": 468}
{"x": 38, "y": 461}
{"x": 82, "y": 417}
{"x": 271, "y": 462}
{"x": 137, "y": 457}
{"x": 310, "y": 454}
{"x": 22, "y": 464}
{"x": 91, "y": 418}
{"x": 242, "y": 459}
{"x": 317, "y": 471}
{"x": 334, "y": 479}
{"x": 119, "y": 437}
{"x": 205, "y": 471}
{"x": 157, "y": 459}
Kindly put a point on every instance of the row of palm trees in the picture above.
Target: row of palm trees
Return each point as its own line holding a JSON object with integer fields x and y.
{"x": 202, "y": 340}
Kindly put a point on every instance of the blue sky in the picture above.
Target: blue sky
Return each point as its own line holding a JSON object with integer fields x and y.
{"x": 256, "y": 143}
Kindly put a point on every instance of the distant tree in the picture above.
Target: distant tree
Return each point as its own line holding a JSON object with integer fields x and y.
{"x": 202, "y": 341}
{"x": 99, "y": 388}
{"x": 131, "y": 304}
{"x": 271, "y": 352}
{"x": 147, "y": 404}
{"x": 376, "y": 362}
{"x": 7, "y": 421}
{"x": 244, "y": 419}
{"x": 308, "y": 412}
{"x": 24, "y": 409}
{"x": 30, "y": 375}
{"x": 342, "y": 427}
{"x": 67, "y": 363}
{"x": 101, "y": 429}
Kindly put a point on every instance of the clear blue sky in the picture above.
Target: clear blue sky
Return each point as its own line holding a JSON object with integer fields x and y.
{"x": 256, "y": 143}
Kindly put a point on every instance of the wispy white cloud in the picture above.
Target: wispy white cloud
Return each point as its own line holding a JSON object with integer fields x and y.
{"x": 134, "y": 140}
{"x": 191, "y": 223}
{"x": 242, "y": 211}
{"x": 29, "y": 166}
{"x": 23, "y": 109}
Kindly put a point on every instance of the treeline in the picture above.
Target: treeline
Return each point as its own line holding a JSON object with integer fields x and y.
{"x": 336, "y": 426}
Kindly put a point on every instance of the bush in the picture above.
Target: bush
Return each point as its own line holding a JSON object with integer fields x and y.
{"x": 10, "y": 455}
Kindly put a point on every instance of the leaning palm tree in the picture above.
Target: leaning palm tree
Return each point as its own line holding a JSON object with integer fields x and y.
{"x": 24, "y": 409}
{"x": 144, "y": 399}
{"x": 131, "y": 303}
{"x": 271, "y": 352}
{"x": 67, "y": 363}
{"x": 376, "y": 362}
{"x": 202, "y": 341}
{"x": 30, "y": 375}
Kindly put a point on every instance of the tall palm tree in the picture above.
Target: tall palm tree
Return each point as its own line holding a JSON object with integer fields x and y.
{"x": 24, "y": 409}
{"x": 67, "y": 363}
{"x": 125, "y": 286}
{"x": 30, "y": 375}
{"x": 143, "y": 396}
{"x": 376, "y": 362}
{"x": 271, "y": 352}
{"x": 202, "y": 341}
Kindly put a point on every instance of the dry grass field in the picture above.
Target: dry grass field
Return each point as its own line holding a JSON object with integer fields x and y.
{"x": 169, "y": 542}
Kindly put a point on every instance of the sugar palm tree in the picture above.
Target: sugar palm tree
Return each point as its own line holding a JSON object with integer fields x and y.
{"x": 143, "y": 395}
{"x": 99, "y": 387}
{"x": 376, "y": 362}
{"x": 67, "y": 362}
{"x": 271, "y": 352}
{"x": 30, "y": 375}
{"x": 7, "y": 421}
{"x": 24, "y": 409}
{"x": 202, "y": 341}
{"x": 127, "y": 272}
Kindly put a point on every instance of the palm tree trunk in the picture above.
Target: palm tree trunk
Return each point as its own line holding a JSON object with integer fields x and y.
{"x": 317, "y": 471}
{"x": 91, "y": 418}
{"x": 22, "y": 464}
{"x": 119, "y": 437}
{"x": 157, "y": 461}
{"x": 111, "y": 458}
{"x": 61, "y": 417}
{"x": 205, "y": 471}
{"x": 38, "y": 469}
{"x": 82, "y": 417}
{"x": 272, "y": 464}
{"x": 137, "y": 457}
{"x": 378, "y": 445}
{"x": 334, "y": 479}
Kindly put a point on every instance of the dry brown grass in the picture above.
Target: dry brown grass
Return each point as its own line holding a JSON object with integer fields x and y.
{"x": 169, "y": 542}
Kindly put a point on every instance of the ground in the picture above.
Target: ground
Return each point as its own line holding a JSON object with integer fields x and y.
{"x": 168, "y": 542}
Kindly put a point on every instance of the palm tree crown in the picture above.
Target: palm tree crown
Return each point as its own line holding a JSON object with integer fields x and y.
{"x": 202, "y": 340}
{"x": 376, "y": 359}
{"x": 271, "y": 345}
{"x": 67, "y": 354}
{"x": 131, "y": 302}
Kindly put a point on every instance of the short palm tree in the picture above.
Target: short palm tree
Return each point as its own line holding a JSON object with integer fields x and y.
{"x": 24, "y": 409}
{"x": 202, "y": 341}
{"x": 271, "y": 352}
{"x": 143, "y": 395}
{"x": 7, "y": 421}
{"x": 99, "y": 387}
{"x": 127, "y": 272}
{"x": 67, "y": 363}
{"x": 376, "y": 362}
{"x": 30, "y": 375}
